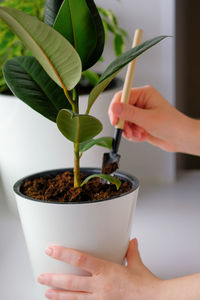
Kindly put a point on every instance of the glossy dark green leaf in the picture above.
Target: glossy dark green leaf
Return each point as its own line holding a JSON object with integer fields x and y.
{"x": 103, "y": 142}
{"x": 79, "y": 22}
{"x": 30, "y": 83}
{"x": 115, "y": 67}
{"x": 109, "y": 178}
{"x": 51, "y": 10}
{"x": 77, "y": 127}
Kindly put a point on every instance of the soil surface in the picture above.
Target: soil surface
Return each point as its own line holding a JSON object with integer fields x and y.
{"x": 59, "y": 188}
{"x": 110, "y": 168}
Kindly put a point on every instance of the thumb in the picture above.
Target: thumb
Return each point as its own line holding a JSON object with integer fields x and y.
{"x": 136, "y": 115}
{"x": 133, "y": 255}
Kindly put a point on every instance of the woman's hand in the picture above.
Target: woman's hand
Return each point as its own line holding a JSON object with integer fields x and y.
{"x": 107, "y": 280}
{"x": 149, "y": 117}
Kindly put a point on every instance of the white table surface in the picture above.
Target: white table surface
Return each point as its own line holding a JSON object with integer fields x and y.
{"x": 166, "y": 223}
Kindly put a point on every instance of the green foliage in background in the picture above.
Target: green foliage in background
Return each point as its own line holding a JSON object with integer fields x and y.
{"x": 10, "y": 45}
{"x": 111, "y": 25}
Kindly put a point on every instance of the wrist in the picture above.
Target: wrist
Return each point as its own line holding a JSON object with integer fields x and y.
{"x": 180, "y": 288}
{"x": 190, "y": 137}
{"x": 169, "y": 290}
{"x": 162, "y": 290}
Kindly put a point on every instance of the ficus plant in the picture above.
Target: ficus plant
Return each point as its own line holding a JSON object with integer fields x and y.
{"x": 69, "y": 42}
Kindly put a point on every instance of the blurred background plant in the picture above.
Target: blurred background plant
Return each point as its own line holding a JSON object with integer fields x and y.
{"x": 10, "y": 46}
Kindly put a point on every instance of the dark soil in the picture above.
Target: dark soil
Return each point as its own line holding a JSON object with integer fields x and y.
{"x": 59, "y": 188}
{"x": 110, "y": 168}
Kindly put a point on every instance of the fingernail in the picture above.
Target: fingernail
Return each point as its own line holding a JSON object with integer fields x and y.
{"x": 117, "y": 108}
{"x": 41, "y": 279}
{"x": 49, "y": 251}
{"x": 50, "y": 294}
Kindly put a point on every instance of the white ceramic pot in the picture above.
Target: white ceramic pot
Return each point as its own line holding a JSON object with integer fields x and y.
{"x": 101, "y": 228}
{"x": 31, "y": 143}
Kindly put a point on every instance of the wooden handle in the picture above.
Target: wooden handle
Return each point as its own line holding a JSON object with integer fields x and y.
{"x": 129, "y": 75}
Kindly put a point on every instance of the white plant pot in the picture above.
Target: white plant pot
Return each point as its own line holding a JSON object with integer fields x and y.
{"x": 31, "y": 143}
{"x": 101, "y": 228}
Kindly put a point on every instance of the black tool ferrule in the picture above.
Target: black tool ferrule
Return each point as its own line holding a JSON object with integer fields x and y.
{"x": 116, "y": 140}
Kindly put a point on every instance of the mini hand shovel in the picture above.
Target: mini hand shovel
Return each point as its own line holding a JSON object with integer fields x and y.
{"x": 111, "y": 160}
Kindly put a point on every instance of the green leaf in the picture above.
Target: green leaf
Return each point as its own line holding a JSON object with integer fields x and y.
{"x": 51, "y": 10}
{"x": 109, "y": 15}
{"x": 91, "y": 76}
{"x": 105, "y": 29}
{"x": 79, "y": 22}
{"x": 109, "y": 178}
{"x": 77, "y": 127}
{"x": 56, "y": 55}
{"x": 123, "y": 32}
{"x": 118, "y": 44}
{"x": 115, "y": 67}
{"x": 111, "y": 28}
{"x": 103, "y": 142}
{"x": 30, "y": 83}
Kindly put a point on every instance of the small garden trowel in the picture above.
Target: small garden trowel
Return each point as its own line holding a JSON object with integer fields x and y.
{"x": 111, "y": 160}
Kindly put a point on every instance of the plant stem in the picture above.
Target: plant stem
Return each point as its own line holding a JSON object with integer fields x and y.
{"x": 75, "y": 108}
{"x": 77, "y": 181}
{"x": 73, "y": 104}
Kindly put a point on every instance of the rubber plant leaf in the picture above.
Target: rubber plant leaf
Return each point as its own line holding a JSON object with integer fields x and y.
{"x": 103, "y": 142}
{"x": 116, "y": 66}
{"x": 77, "y": 128}
{"x": 56, "y": 55}
{"x": 109, "y": 178}
{"x": 51, "y": 10}
{"x": 30, "y": 83}
{"x": 79, "y": 22}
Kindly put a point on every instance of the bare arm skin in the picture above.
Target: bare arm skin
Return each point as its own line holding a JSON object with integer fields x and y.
{"x": 149, "y": 117}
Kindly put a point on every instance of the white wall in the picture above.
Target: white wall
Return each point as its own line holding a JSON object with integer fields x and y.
{"x": 156, "y": 67}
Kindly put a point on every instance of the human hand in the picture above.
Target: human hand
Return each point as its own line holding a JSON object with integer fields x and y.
{"x": 107, "y": 280}
{"x": 149, "y": 117}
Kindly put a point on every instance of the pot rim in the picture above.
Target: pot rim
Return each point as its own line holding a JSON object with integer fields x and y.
{"x": 121, "y": 175}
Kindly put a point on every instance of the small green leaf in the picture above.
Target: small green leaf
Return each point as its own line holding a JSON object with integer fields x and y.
{"x": 30, "y": 83}
{"x": 116, "y": 66}
{"x": 103, "y": 142}
{"x": 91, "y": 76}
{"x": 109, "y": 15}
{"x": 118, "y": 44}
{"x": 123, "y": 32}
{"x": 105, "y": 29}
{"x": 111, "y": 28}
{"x": 109, "y": 178}
{"x": 77, "y": 127}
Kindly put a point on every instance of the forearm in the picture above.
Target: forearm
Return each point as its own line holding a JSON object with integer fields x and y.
{"x": 183, "y": 288}
{"x": 190, "y": 136}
